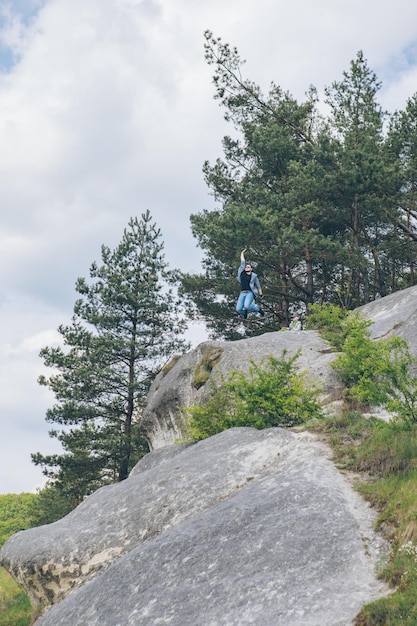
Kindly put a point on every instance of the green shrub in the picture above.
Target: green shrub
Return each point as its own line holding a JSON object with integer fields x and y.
{"x": 329, "y": 320}
{"x": 377, "y": 372}
{"x": 372, "y": 372}
{"x": 359, "y": 365}
{"x": 400, "y": 387}
{"x": 271, "y": 393}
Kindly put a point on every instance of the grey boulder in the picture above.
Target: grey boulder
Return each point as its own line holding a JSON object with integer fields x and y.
{"x": 179, "y": 385}
{"x": 247, "y": 527}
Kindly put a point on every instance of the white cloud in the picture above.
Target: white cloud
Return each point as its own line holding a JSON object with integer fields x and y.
{"x": 108, "y": 111}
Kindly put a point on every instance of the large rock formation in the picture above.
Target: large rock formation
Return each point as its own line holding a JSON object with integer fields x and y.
{"x": 187, "y": 379}
{"x": 394, "y": 315}
{"x": 247, "y": 527}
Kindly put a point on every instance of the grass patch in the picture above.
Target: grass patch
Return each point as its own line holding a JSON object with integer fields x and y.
{"x": 168, "y": 366}
{"x": 203, "y": 369}
{"x": 384, "y": 458}
{"x": 15, "y": 609}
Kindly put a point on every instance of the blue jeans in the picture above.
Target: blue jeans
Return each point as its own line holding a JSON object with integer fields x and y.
{"x": 246, "y": 302}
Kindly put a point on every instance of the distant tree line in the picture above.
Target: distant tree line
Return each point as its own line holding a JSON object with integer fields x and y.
{"x": 325, "y": 202}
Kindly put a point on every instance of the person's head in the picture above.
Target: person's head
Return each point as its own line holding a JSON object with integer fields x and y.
{"x": 248, "y": 268}
{"x": 295, "y": 318}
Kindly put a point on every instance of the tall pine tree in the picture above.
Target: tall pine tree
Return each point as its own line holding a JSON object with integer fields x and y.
{"x": 402, "y": 143}
{"x": 125, "y": 325}
{"x": 269, "y": 186}
{"x": 365, "y": 185}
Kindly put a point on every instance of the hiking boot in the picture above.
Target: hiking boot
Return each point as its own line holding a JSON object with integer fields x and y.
{"x": 245, "y": 314}
{"x": 261, "y": 312}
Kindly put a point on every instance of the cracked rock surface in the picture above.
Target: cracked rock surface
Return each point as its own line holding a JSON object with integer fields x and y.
{"x": 247, "y": 527}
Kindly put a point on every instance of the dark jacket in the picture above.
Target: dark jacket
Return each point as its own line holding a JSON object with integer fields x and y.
{"x": 255, "y": 285}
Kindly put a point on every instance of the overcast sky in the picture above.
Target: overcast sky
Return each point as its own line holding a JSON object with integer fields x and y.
{"x": 107, "y": 110}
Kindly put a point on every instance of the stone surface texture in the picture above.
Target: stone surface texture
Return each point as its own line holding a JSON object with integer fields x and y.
{"x": 247, "y": 527}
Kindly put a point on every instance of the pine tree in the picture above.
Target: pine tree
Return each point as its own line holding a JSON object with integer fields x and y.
{"x": 402, "y": 143}
{"x": 269, "y": 185}
{"x": 125, "y": 326}
{"x": 365, "y": 184}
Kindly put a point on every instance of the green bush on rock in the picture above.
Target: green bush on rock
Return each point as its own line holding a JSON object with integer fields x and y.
{"x": 271, "y": 393}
